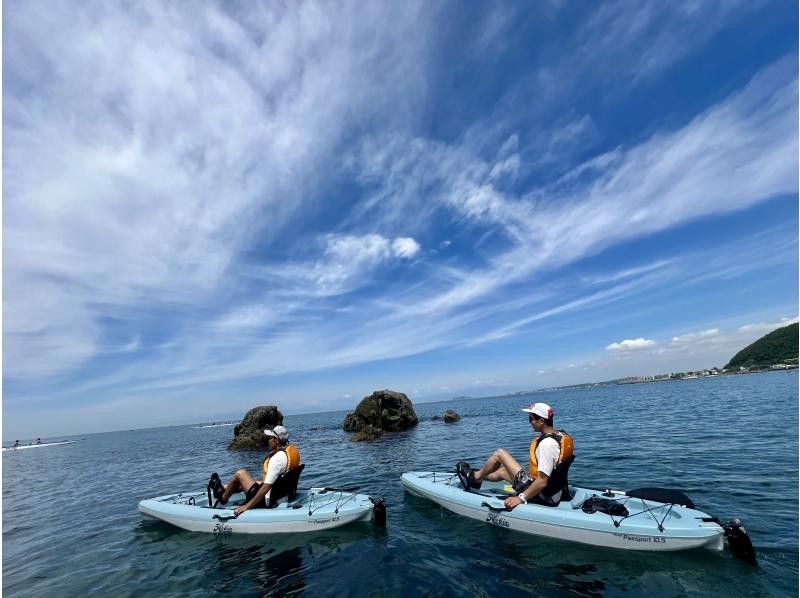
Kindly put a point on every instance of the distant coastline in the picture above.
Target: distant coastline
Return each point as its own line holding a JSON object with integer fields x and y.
{"x": 713, "y": 373}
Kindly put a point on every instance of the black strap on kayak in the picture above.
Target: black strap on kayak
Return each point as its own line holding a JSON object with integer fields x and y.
{"x": 223, "y": 517}
{"x": 350, "y": 489}
{"x": 492, "y": 508}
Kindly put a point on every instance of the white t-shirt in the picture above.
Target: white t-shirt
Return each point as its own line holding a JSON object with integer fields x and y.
{"x": 277, "y": 465}
{"x": 547, "y": 454}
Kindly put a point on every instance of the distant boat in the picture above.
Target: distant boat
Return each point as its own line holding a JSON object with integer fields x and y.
{"x": 692, "y": 377}
{"x": 30, "y": 446}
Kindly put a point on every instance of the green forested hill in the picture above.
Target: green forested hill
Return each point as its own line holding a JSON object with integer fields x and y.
{"x": 778, "y": 346}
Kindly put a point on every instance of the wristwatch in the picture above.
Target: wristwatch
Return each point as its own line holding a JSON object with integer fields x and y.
{"x": 521, "y": 496}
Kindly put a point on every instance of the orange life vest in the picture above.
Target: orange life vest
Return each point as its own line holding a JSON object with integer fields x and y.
{"x": 564, "y": 441}
{"x": 292, "y": 456}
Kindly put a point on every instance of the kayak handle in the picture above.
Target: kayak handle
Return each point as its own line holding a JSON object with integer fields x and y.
{"x": 224, "y": 517}
{"x": 324, "y": 490}
{"x": 491, "y": 508}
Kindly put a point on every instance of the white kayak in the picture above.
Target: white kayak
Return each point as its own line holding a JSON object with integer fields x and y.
{"x": 311, "y": 510}
{"x": 649, "y": 525}
{"x": 40, "y": 445}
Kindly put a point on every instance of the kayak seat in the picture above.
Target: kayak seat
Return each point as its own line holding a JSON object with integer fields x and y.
{"x": 560, "y": 480}
{"x": 285, "y": 486}
{"x": 665, "y": 495}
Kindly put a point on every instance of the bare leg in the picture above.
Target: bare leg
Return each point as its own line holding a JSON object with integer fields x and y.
{"x": 240, "y": 482}
{"x": 500, "y": 466}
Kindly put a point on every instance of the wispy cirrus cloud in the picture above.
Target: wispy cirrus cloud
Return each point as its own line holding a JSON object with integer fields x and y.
{"x": 159, "y": 174}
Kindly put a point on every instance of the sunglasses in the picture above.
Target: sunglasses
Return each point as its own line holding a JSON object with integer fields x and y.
{"x": 532, "y": 418}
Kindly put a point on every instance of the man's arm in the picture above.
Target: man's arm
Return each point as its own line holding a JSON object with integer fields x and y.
{"x": 539, "y": 484}
{"x": 262, "y": 492}
{"x": 277, "y": 465}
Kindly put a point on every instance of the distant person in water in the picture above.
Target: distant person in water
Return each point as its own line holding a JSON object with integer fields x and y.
{"x": 16, "y": 444}
{"x": 551, "y": 454}
{"x": 281, "y": 457}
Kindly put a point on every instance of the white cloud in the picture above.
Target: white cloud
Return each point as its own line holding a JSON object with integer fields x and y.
{"x": 631, "y": 344}
{"x": 405, "y": 247}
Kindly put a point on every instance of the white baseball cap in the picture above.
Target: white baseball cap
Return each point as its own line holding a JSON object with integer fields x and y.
{"x": 278, "y": 432}
{"x": 541, "y": 409}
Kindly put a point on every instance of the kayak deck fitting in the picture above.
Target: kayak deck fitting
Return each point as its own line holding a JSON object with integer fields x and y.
{"x": 649, "y": 525}
{"x": 314, "y": 509}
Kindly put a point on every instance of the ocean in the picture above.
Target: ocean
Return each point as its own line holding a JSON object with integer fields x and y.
{"x": 71, "y": 525}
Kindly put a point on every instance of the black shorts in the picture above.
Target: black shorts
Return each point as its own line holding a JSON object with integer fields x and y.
{"x": 262, "y": 504}
{"x": 521, "y": 481}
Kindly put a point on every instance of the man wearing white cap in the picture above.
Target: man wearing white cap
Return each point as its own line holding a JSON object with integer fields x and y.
{"x": 551, "y": 454}
{"x": 281, "y": 457}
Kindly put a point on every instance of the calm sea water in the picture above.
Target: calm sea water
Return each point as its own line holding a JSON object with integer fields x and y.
{"x": 70, "y": 523}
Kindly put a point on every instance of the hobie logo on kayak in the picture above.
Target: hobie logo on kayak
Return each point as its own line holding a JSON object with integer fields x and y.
{"x": 497, "y": 520}
{"x": 221, "y": 528}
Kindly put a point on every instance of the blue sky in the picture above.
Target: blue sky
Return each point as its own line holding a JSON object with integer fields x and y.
{"x": 210, "y": 206}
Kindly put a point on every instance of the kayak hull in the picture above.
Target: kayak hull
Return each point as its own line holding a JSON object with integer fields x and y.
{"x": 312, "y": 510}
{"x": 681, "y": 528}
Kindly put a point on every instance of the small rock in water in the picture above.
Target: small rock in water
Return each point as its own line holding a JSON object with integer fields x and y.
{"x": 368, "y": 433}
{"x": 451, "y": 416}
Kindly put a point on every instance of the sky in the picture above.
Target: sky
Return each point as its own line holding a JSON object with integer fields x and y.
{"x": 209, "y": 206}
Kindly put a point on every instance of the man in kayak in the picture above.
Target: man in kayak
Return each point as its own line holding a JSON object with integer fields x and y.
{"x": 281, "y": 457}
{"x": 551, "y": 454}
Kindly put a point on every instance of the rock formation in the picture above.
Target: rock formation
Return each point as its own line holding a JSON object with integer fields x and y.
{"x": 249, "y": 435}
{"x": 368, "y": 433}
{"x": 383, "y": 410}
{"x": 451, "y": 416}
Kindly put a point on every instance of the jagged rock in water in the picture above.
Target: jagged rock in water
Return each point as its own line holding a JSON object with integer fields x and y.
{"x": 385, "y": 410}
{"x": 368, "y": 433}
{"x": 249, "y": 435}
{"x": 451, "y": 416}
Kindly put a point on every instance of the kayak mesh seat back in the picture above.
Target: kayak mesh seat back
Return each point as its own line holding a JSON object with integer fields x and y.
{"x": 559, "y": 480}
{"x": 285, "y": 486}
{"x": 664, "y": 495}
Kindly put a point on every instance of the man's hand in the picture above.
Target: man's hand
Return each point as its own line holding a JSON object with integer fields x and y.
{"x": 239, "y": 510}
{"x": 512, "y": 501}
